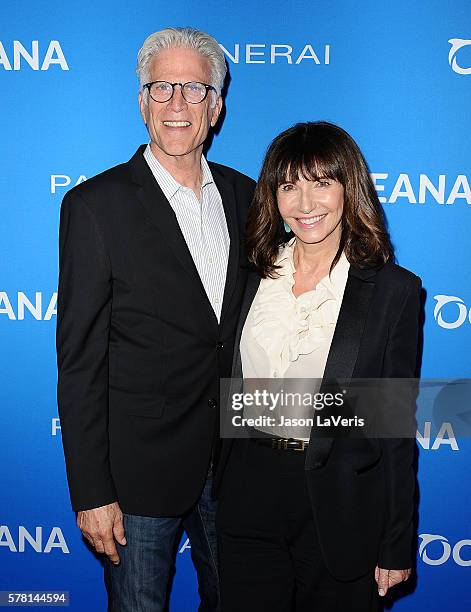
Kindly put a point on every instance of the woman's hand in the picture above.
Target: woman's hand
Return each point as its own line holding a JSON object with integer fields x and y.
{"x": 388, "y": 578}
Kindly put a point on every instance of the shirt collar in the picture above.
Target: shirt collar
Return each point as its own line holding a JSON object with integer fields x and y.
{"x": 335, "y": 283}
{"x": 206, "y": 176}
{"x": 167, "y": 183}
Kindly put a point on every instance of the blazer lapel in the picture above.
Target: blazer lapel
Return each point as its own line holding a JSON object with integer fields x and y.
{"x": 235, "y": 385}
{"x": 230, "y": 210}
{"x": 163, "y": 217}
{"x": 253, "y": 283}
{"x": 344, "y": 348}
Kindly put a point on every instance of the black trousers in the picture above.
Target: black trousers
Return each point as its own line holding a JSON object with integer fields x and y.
{"x": 269, "y": 553}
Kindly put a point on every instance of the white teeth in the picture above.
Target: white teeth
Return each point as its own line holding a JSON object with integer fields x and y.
{"x": 311, "y": 220}
{"x": 177, "y": 123}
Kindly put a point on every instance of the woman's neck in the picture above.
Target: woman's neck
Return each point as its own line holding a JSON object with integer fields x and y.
{"x": 314, "y": 258}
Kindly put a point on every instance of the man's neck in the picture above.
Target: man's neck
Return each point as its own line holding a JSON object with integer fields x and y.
{"x": 185, "y": 169}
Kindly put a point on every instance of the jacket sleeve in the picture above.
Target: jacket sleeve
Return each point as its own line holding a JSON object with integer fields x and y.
{"x": 83, "y": 324}
{"x": 400, "y": 361}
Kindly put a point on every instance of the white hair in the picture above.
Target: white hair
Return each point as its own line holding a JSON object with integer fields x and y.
{"x": 171, "y": 38}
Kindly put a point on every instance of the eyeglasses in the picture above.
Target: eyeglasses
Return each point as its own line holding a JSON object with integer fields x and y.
{"x": 193, "y": 91}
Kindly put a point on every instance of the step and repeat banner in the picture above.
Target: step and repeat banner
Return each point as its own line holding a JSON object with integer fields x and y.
{"x": 396, "y": 75}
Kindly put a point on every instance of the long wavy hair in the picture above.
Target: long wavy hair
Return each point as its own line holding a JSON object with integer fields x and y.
{"x": 318, "y": 150}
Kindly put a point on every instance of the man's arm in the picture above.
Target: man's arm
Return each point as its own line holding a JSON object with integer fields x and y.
{"x": 83, "y": 324}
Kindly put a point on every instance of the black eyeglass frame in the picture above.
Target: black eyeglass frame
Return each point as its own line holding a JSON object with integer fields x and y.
{"x": 182, "y": 85}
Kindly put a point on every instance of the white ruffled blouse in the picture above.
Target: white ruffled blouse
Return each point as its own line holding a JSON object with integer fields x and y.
{"x": 288, "y": 336}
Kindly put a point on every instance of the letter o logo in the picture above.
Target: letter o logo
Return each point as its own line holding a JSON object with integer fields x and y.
{"x": 427, "y": 538}
{"x": 448, "y": 299}
{"x": 457, "y": 553}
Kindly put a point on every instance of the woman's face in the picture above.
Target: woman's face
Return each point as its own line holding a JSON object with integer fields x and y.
{"x": 312, "y": 209}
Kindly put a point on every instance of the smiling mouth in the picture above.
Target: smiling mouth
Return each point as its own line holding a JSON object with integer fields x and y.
{"x": 310, "y": 220}
{"x": 176, "y": 124}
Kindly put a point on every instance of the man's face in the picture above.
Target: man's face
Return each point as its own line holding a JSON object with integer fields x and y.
{"x": 176, "y": 127}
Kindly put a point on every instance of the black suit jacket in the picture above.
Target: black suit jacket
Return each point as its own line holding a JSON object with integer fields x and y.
{"x": 140, "y": 350}
{"x": 362, "y": 490}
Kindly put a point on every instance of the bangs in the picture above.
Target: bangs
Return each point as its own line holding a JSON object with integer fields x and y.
{"x": 310, "y": 160}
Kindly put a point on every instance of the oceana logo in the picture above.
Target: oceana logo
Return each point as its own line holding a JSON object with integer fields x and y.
{"x": 38, "y": 308}
{"x": 440, "y": 555}
{"x": 456, "y": 45}
{"x": 422, "y": 188}
{"x": 445, "y": 437}
{"x": 455, "y": 316}
{"x": 15, "y": 56}
{"x": 41, "y": 540}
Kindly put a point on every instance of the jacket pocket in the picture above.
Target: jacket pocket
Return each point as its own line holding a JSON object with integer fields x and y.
{"x": 370, "y": 467}
{"x": 132, "y": 373}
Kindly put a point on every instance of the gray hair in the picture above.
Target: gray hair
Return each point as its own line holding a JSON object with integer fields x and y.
{"x": 171, "y": 38}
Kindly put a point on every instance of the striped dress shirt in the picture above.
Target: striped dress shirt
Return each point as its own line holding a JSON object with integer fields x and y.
{"x": 203, "y": 225}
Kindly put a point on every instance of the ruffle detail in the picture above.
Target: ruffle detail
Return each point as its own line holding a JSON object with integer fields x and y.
{"x": 286, "y": 327}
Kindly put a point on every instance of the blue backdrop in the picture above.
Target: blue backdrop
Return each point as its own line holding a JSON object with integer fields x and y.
{"x": 396, "y": 75}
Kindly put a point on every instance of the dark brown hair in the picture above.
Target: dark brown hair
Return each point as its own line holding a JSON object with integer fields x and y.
{"x": 317, "y": 150}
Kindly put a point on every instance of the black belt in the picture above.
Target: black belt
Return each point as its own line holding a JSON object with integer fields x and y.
{"x": 282, "y": 443}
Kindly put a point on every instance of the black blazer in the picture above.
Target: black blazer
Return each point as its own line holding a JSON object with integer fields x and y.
{"x": 362, "y": 490}
{"x": 140, "y": 350}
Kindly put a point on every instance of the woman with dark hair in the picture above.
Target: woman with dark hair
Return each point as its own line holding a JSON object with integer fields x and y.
{"x": 308, "y": 522}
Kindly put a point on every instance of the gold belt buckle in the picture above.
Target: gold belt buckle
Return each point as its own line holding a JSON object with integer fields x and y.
{"x": 280, "y": 444}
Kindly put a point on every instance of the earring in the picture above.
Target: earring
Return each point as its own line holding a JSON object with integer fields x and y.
{"x": 288, "y": 230}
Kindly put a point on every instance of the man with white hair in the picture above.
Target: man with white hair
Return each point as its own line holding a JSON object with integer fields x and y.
{"x": 150, "y": 285}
